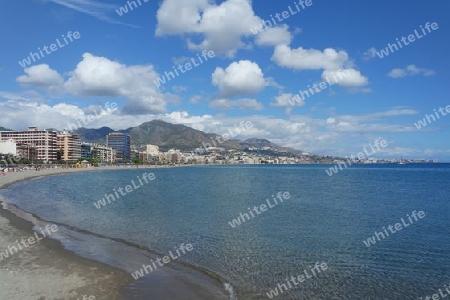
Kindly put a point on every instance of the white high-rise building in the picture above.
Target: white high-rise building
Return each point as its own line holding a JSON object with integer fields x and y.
{"x": 43, "y": 140}
{"x": 8, "y": 147}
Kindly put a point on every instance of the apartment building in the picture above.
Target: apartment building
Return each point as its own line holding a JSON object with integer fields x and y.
{"x": 101, "y": 153}
{"x": 69, "y": 146}
{"x": 44, "y": 141}
{"x": 121, "y": 143}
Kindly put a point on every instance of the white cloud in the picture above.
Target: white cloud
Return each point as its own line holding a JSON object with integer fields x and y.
{"x": 329, "y": 135}
{"x": 410, "y": 70}
{"x": 310, "y": 59}
{"x": 329, "y": 60}
{"x": 200, "y": 18}
{"x": 239, "y": 78}
{"x": 243, "y": 104}
{"x": 274, "y": 36}
{"x": 287, "y": 100}
{"x": 370, "y": 53}
{"x": 349, "y": 78}
{"x": 195, "y": 99}
{"x": 98, "y": 76}
{"x": 41, "y": 76}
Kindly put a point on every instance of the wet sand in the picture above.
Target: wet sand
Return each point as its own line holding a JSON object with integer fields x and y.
{"x": 46, "y": 270}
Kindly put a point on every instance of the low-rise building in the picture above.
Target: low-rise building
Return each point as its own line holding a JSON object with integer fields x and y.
{"x": 101, "y": 153}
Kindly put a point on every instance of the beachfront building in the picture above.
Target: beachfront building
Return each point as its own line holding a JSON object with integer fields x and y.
{"x": 26, "y": 152}
{"x": 152, "y": 150}
{"x": 44, "y": 141}
{"x": 8, "y": 147}
{"x": 121, "y": 143}
{"x": 100, "y": 153}
{"x": 69, "y": 146}
{"x": 150, "y": 155}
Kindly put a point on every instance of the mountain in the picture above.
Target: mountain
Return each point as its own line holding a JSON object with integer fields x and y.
{"x": 94, "y": 135}
{"x": 168, "y": 136}
{"x": 5, "y": 129}
{"x": 266, "y": 144}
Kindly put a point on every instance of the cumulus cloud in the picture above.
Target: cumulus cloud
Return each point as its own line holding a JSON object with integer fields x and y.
{"x": 309, "y": 59}
{"x": 243, "y": 104}
{"x": 239, "y": 78}
{"x": 410, "y": 70}
{"x": 274, "y": 36}
{"x": 41, "y": 76}
{"x": 328, "y": 135}
{"x": 99, "y": 76}
{"x": 329, "y": 60}
{"x": 200, "y": 18}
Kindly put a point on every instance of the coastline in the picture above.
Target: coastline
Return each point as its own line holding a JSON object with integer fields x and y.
{"x": 47, "y": 270}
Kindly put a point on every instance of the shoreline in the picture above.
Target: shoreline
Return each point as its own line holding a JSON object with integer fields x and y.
{"x": 84, "y": 276}
{"x": 47, "y": 270}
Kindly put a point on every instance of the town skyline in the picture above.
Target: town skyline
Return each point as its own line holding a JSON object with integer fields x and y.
{"x": 279, "y": 67}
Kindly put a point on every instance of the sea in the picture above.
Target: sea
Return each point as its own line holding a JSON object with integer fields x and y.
{"x": 326, "y": 219}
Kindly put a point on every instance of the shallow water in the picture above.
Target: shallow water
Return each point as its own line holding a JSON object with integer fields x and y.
{"x": 325, "y": 220}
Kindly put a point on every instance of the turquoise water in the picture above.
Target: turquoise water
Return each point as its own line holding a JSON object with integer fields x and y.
{"x": 325, "y": 220}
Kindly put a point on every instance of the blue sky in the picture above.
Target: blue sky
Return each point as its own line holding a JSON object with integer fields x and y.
{"x": 250, "y": 78}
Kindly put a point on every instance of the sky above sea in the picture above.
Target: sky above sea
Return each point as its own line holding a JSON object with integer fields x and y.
{"x": 97, "y": 53}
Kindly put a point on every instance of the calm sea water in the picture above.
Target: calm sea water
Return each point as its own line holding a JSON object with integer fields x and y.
{"x": 325, "y": 220}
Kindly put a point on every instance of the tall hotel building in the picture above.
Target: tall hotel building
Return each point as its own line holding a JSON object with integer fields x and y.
{"x": 69, "y": 145}
{"x": 43, "y": 140}
{"x": 121, "y": 144}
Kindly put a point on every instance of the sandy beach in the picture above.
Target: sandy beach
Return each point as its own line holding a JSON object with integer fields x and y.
{"x": 45, "y": 270}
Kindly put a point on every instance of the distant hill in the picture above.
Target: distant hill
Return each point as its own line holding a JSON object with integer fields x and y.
{"x": 5, "y": 129}
{"x": 263, "y": 143}
{"x": 168, "y": 136}
{"x": 94, "y": 135}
